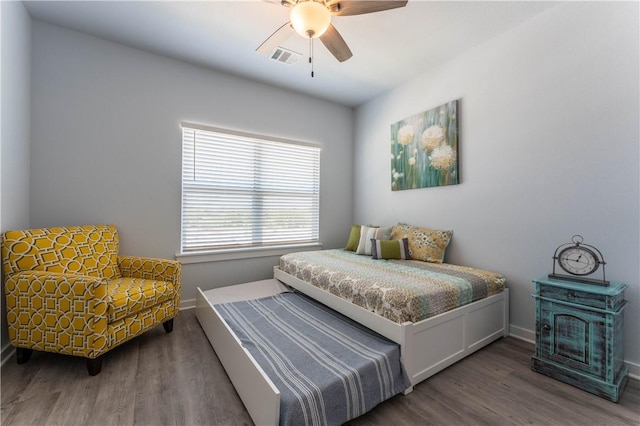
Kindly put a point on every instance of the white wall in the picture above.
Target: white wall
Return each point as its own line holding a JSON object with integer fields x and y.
{"x": 548, "y": 147}
{"x": 15, "y": 126}
{"x": 107, "y": 144}
{"x": 549, "y": 135}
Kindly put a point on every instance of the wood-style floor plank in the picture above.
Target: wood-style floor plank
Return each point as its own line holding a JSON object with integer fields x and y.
{"x": 176, "y": 378}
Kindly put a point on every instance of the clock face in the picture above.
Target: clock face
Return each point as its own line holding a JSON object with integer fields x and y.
{"x": 578, "y": 260}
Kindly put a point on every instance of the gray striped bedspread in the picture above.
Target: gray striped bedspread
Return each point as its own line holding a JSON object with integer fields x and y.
{"x": 328, "y": 368}
{"x": 399, "y": 290}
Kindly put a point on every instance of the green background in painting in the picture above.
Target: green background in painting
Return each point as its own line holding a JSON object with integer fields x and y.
{"x": 417, "y": 163}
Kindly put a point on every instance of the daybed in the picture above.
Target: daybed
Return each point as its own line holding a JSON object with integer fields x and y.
{"x": 441, "y": 324}
{"x": 427, "y": 345}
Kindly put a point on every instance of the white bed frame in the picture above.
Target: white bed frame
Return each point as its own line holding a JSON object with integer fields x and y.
{"x": 427, "y": 347}
{"x": 458, "y": 332}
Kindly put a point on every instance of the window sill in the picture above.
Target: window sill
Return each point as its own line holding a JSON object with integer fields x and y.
{"x": 245, "y": 253}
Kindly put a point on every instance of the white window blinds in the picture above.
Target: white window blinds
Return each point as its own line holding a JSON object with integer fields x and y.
{"x": 246, "y": 191}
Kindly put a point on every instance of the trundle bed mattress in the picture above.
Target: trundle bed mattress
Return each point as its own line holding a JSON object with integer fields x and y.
{"x": 399, "y": 290}
{"x": 328, "y": 368}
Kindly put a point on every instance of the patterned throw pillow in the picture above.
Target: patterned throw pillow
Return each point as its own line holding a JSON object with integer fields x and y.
{"x": 371, "y": 232}
{"x": 390, "y": 249}
{"x": 425, "y": 244}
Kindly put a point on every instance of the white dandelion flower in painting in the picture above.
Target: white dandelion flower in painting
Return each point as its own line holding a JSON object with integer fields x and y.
{"x": 443, "y": 157}
{"x": 432, "y": 137}
{"x": 406, "y": 134}
{"x": 412, "y": 161}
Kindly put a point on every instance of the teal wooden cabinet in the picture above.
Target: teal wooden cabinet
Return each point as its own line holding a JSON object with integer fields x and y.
{"x": 579, "y": 335}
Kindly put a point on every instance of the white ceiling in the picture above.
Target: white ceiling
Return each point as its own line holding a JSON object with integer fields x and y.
{"x": 388, "y": 47}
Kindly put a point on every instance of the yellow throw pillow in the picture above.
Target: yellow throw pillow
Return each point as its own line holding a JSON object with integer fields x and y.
{"x": 425, "y": 244}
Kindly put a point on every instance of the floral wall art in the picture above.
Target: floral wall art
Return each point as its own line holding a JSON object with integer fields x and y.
{"x": 424, "y": 149}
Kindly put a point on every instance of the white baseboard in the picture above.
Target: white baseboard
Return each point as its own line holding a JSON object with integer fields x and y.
{"x": 522, "y": 334}
{"x": 187, "y": 304}
{"x": 6, "y": 353}
{"x": 634, "y": 370}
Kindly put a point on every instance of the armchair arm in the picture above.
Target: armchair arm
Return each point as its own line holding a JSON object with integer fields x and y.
{"x": 154, "y": 269}
{"x": 54, "y": 312}
{"x": 151, "y": 269}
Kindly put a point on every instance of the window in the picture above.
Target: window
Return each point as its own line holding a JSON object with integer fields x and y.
{"x": 242, "y": 191}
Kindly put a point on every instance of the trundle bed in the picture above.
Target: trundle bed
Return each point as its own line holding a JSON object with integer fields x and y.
{"x": 440, "y": 314}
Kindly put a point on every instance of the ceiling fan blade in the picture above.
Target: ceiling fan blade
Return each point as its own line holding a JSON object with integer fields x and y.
{"x": 333, "y": 41}
{"x": 276, "y": 39}
{"x": 286, "y": 3}
{"x": 360, "y": 7}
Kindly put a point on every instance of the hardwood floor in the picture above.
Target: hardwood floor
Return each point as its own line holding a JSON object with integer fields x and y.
{"x": 166, "y": 379}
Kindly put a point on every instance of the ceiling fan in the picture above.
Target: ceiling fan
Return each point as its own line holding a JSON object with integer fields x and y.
{"x": 312, "y": 19}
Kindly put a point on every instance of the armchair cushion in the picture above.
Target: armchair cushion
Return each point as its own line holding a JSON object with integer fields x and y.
{"x": 127, "y": 296}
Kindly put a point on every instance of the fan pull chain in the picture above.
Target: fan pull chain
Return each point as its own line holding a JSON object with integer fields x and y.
{"x": 311, "y": 55}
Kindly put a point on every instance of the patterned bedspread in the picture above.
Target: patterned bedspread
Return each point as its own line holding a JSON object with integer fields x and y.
{"x": 399, "y": 290}
{"x": 327, "y": 368}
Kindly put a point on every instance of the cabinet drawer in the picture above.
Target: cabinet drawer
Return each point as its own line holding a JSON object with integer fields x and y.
{"x": 574, "y": 296}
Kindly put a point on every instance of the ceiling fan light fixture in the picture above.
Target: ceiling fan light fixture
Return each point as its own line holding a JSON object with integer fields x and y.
{"x": 310, "y": 18}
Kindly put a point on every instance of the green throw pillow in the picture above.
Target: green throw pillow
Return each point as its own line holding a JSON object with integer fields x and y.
{"x": 390, "y": 249}
{"x": 354, "y": 238}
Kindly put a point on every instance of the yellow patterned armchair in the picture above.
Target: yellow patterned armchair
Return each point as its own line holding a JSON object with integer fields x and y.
{"x": 67, "y": 291}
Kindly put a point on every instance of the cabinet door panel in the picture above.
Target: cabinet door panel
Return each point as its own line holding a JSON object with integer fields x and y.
{"x": 573, "y": 337}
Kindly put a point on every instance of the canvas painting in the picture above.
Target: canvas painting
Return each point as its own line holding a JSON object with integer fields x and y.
{"x": 424, "y": 149}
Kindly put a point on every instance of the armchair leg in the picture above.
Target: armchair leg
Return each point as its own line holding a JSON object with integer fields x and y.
{"x": 94, "y": 365}
{"x": 168, "y": 325}
{"x": 23, "y": 355}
